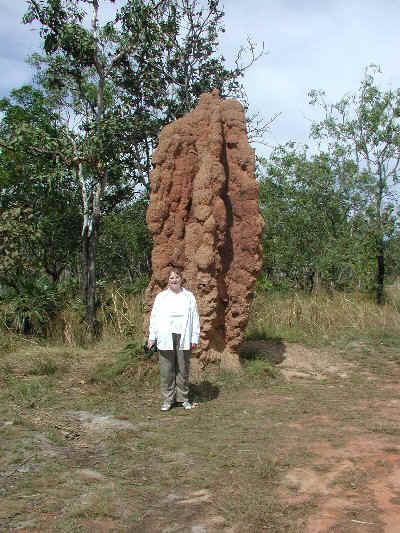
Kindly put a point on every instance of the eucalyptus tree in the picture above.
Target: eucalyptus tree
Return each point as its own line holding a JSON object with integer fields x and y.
{"x": 77, "y": 72}
{"x": 314, "y": 218}
{"x": 18, "y": 236}
{"x": 125, "y": 244}
{"x": 364, "y": 127}
{"x": 29, "y": 181}
{"x": 115, "y": 85}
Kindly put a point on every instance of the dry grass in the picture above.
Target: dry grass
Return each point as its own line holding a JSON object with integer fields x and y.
{"x": 238, "y": 460}
{"x": 298, "y": 317}
{"x": 320, "y": 319}
{"x": 324, "y": 317}
{"x": 119, "y": 315}
{"x": 122, "y": 314}
{"x": 226, "y": 462}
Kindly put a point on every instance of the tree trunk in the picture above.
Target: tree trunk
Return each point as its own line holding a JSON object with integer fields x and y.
{"x": 85, "y": 265}
{"x": 380, "y": 274}
{"x": 89, "y": 248}
{"x": 380, "y": 244}
{"x": 91, "y": 292}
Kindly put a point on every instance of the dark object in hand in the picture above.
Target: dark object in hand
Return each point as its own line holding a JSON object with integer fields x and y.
{"x": 150, "y": 351}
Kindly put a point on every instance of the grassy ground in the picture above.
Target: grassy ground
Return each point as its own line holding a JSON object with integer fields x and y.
{"x": 303, "y": 439}
{"x": 87, "y": 450}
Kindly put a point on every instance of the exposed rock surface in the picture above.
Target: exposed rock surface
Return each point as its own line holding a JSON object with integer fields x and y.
{"x": 204, "y": 217}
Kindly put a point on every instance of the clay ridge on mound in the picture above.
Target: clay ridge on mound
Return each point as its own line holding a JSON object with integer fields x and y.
{"x": 204, "y": 217}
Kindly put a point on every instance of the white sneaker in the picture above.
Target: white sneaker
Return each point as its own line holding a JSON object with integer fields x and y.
{"x": 187, "y": 405}
{"x": 166, "y": 406}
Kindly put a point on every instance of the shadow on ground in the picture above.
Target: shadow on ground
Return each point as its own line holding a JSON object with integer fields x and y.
{"x": 272, "y": 350}
{"x": 204, "y": 391}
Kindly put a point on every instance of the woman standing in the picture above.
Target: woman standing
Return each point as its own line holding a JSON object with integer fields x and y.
{"x": 175, "y": 325}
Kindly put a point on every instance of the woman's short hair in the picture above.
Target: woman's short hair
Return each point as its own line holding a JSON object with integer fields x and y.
{"x": 176, "y": 270}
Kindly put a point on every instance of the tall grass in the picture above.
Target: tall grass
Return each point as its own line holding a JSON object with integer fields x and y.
{"x": 119, "y": 314}
{"x": 295, "y": 317}
{"x": 324, "y": 317}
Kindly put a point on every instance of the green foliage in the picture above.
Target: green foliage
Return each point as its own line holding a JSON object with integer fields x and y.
{"x": 125, "y": 246}
{"x": 139, "y": 285}
{"x": 44, "y": 367}
{"x": 259, "y": 368}
{"x": 127, "y": 361}
{"x": 32, "y": 308}
{"x": 28, "y": 393}
{"x": 263, "y": 285}
{"x": 313, "y": 232}
{"x": 36, "y": 185}
{"x": 126, "y": 79}
{"x": 330, "y": 216}
{"x": 18, "y": 236}
{"x": 364, "y": 129}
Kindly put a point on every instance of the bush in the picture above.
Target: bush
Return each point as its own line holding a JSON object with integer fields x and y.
{"x": 129, "y": 363}
{"x": 110, "y": 371}
{"x": 138, "y": 286}
{"x": 44, "y": 367}
{"x": 32, "y": 308}
{"x": 263, "y": 285}
{"x": 121, "y": 312}
{"x": 261, "y": 368}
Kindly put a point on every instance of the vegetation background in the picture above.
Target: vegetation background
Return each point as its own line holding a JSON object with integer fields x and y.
{"x": 76, "y": 155}
{"x": 84, "y": 445}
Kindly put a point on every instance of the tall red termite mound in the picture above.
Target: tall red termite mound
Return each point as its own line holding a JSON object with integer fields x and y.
{"x": 204, "y": 217}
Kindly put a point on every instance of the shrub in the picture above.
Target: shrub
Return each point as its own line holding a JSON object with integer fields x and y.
{"x": 128, "y": 363}
{"x": 31, "y": 309}
{"x": 44, "y": 367}
{"x": 260, "y": 367}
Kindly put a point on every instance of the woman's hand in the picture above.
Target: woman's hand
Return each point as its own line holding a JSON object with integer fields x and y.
{"x": 150, "y": 344}
{"x": 193, "y": 346}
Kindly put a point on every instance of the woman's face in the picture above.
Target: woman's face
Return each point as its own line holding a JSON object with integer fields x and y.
{"x": 174, "y": 282}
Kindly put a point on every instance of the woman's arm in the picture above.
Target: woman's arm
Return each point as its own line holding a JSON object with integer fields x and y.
{"x": 195, "y": 323}
{"x": 154, "y": 321}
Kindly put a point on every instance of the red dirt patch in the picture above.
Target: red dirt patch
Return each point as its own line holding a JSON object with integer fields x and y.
{"x": 355, "y": 487}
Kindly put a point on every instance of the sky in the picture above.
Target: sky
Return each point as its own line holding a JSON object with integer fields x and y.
{"x": 310, "y": 44}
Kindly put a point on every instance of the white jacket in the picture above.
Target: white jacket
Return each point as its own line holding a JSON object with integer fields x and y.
{"x": 160, "y": 323}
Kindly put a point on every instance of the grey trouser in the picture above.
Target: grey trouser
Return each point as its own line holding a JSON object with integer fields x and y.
{"x": 174, "y": 372}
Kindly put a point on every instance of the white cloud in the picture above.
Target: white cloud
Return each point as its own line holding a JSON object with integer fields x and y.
{"x": 313, "y": 44}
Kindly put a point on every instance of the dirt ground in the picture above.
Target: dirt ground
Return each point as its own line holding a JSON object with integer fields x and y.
{"x": 312, "y": 447}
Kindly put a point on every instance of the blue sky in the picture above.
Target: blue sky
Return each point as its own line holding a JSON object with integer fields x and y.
{"x": 311, "y": 44}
